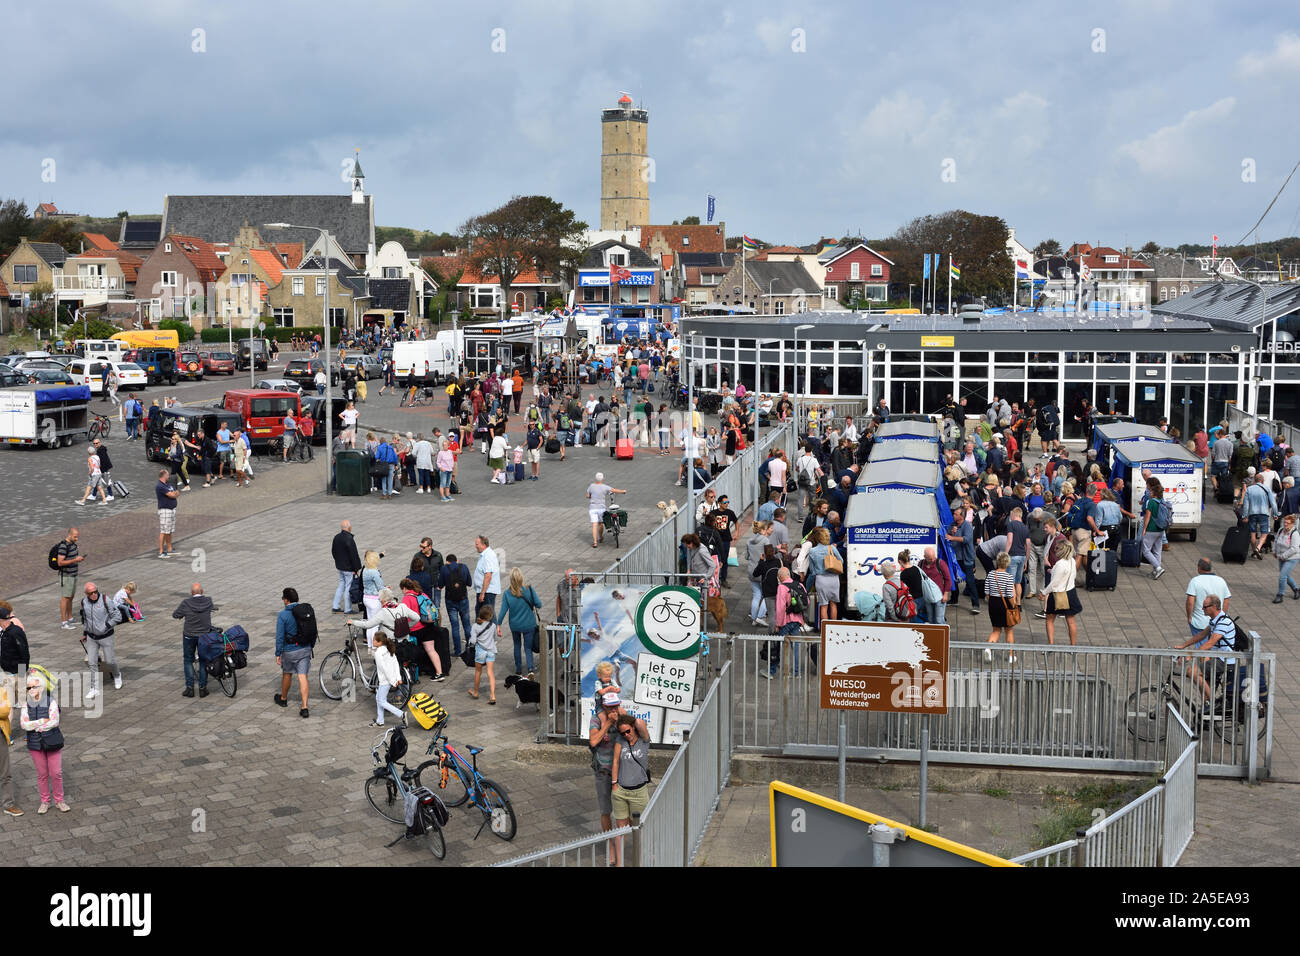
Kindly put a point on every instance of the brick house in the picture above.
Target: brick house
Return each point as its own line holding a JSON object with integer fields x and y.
{"x": 30, "y": 264}
{"x": 768, "y": 288}
{"x": 175, "y": 278}
{"x": 857, "y": 269}
{"x": 298, "y": 300}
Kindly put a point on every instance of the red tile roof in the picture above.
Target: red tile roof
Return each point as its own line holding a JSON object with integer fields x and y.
{"x": 48, "y": 207}
{"x": 525, "y": 277}
{"x": 443, "y": 265}
{"x": 702, "y": 238}
{"x": 291, "y": 253}
{"x": 201, "y": 254}
{"x": 1094, "y": 257}
{"x": 667, "y": 260}
{"x": 270, "y": 264}
{"x": 99, "y": 241}
{"x": 129, "y": 261}
{"x": 780, "y": 250}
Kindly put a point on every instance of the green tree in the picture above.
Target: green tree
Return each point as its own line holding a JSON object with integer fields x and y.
{"x": 62, "y": 232}
{"x": 527, "y": 232}
{"x": 122, "y": 214}
{"x": 1048, "y": 247}
{"x": 14, "y": 224}
{"x": 691, "y": 221}
{"x": 41, "y": 314}
{"x": 977, "y": 243}
{"x": 184, "y": 331}
{"x": 1152, "y": 247}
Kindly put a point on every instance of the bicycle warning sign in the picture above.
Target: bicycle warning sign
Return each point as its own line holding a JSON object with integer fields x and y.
{"x": 668, "y": 622}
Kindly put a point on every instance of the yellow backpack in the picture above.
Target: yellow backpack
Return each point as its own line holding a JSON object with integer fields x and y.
{"x": 428, "y": 712}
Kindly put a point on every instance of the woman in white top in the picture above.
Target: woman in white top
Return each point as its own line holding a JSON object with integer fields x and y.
{"x": 384, "y": 621}
{"x": 348, "y": 436}
{"x": 1062, "y": 583}
{"x": 389, "y": 674}
{"x": 776, "y": 477}
{"x": 1003, "y": 594}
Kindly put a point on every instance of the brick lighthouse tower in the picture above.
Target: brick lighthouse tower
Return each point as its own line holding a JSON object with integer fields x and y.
{"x": 625, "y": 169}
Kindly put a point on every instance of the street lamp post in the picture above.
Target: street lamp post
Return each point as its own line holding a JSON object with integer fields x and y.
{"x": 688, "y": 345}
{"x": 329, "y": 383}
{"x": 797, "y": 404}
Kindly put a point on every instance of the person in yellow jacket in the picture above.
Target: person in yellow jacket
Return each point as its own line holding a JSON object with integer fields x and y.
{"x": 6, "y": 778}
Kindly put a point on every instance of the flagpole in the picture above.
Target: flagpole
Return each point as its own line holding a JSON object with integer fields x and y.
{"x": 742, "y": 276}
{"x": 950, "y": 283}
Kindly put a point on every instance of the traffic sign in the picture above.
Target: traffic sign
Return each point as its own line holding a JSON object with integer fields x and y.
{"x": 665, "y": 683}
{"x": 668, "y": 621}
{"x": 888, "y": 667}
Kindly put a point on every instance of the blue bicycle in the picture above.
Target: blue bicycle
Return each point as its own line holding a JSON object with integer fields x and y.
{"x": 461, "y": 781}
{"x": 387, "y": 787}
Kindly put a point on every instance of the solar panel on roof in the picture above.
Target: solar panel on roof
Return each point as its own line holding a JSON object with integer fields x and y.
{"x": 142, "y": 231}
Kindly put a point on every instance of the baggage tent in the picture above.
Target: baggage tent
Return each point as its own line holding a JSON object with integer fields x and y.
{"x": 1181, "y": 474}
{"x": 882, "y": 524}
{"x": 912, "y": 477}
{"x": 1106, "y": 435}
{"x": 898, "y": 431}
{"x": 916, "y": 449}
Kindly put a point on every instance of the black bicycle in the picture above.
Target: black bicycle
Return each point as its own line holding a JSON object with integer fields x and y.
{"x": 1228, "y": 711}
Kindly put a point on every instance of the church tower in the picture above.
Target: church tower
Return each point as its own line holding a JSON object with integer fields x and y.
{"x": 358, "y": 181}
{"x": 625, "y": 168}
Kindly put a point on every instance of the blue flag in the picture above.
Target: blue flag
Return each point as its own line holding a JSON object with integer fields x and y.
{"x": 925, "y": 269}
{"x": 711, "y": 200}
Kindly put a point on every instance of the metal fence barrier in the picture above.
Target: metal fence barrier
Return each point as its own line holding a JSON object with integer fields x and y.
{"x": 669, "y": 832}
{"x": 1251, "y": 425}
{"x": 1062, "y": 707}
{"x": 1152, "y": 830}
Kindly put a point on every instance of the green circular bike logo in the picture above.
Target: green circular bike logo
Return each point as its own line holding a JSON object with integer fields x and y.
{"x": 668, "y": 621}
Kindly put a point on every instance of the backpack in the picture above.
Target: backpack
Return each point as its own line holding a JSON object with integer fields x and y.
{"x": 904, "y": 603}
{"x": 457, "y": 584}
{"x": 306, "y": 619}
{"x": 870, "y": 606}
{"x": 566, "y": 423}
{"x": 1050, "y": 417}
{"x": 401, "y": 626}
{"x": 1164, "y": 515}
{"x": 1077, "y": 516}
{"x": 929, "y": 590}
{"x": 428, "y": 612}
{"x": 798, "y": 601}
{"x": 54, "y": 558}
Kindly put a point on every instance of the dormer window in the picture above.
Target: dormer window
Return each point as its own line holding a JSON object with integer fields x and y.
{"x": 617, "y": 258}
{"x": 167, "y": 247}
{"x": 686, "y": 241}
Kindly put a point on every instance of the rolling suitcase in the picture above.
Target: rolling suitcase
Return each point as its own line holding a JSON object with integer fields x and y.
{"x": 120, "y": 490}
{"x": 1225, "y": 494}
{"x": 1102, "y": 571}
{"x": 1130, "y": 553}
{"x": 625, "y": 450}
{"x": 518, "y": 469}
{"x": 1236, "y": 544}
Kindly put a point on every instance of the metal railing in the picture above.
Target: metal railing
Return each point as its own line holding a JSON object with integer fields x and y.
{"x": 1251, "y": 425}
{"x": 670, "y": 830}
{"x": 1062, "y": 707}
{"x": 1152, "y": 830}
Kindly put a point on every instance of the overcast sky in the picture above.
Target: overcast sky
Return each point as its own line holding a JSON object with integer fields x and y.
{"x": 1139, "y": 132}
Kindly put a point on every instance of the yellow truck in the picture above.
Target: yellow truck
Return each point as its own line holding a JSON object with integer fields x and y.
{"x": 146, "y": 338}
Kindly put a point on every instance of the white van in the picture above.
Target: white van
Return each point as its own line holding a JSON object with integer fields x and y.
{"x": 110, "y": 349}
{"x": 89, "y": 372}
{"x": 433, "y": 361}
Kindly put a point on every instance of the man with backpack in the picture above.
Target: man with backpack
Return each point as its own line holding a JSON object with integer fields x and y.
{"x": 1081, "y": 519}
{"x": 900, "y": 605}
{"x": 1049, "y": 426}
{"x": 1220, "y": 633}
{"x": 98, "y": 614}
{"x": 64, "y": 557}
{"x": 454, "y": 580}
{"x": 295, "y": 636}
{"x": 791, "y": 602}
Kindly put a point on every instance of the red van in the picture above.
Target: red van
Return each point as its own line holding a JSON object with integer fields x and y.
{"x": 262, "y": 411}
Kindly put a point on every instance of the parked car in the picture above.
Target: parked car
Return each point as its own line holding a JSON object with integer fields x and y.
{"x": 255, "y": 353}
{"x": 188, "y": 420}
{"x": 189, "y": 365}
{"x": 364, "y": 366}
{"x": 88, "y": 372}
{"x": 304, "y": 370}
{"x": 129, "y": 375}
{"x": 314, "y": 405}
{"x": 159, "y": 364}
{"x": 9, "y": 378}
{"x": 281, "y": 385}
{"x": 48, "y": 376}
{"x": 214, "y": 362}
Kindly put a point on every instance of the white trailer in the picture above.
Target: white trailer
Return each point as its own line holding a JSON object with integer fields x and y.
{"x": 433, "y": 361}
{"x": 47, "y": 415}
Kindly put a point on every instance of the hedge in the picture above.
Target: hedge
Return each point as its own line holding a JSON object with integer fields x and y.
{"x": 279, "y": 334}
{"x": 184, "y": 331}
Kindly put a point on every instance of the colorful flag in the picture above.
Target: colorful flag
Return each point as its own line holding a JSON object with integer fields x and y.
{"x": 711, "y": 202}
{"x": 1085, "y": 271}
{"x": 954, "y": 270}
{"x": 748, "y": 244}
{"x": 618, "y": 273}
{"x": 1022, "y": 269}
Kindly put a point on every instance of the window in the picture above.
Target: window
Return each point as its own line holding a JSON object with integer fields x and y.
{"x": 167, "y": 247}
{"x": 392, "y": 272}
{"x": 283, "y": 318}
{"x": 778, "y": 307}
{"x": 320, "y": 284}
{"x": 832, "y": 292}
{"x": 298, "y": 282}
{"x": 617, "y": 259}
{"x": 877, "y": 292}
{"x": 643, "y": 294}
{"x": 1164, "y": 293}
{"x": 24, "y": 273}
{"x": 854, "y": 271}
{"x": 168, "y": 279}
{"x": 340, "y": 316}
{"x": 877, "y": 270}
{"x": 273, "y": 407}
{"x": 710, "y": 278}
{"x": 686, "y": 241}
{"x": 589, "y": 294}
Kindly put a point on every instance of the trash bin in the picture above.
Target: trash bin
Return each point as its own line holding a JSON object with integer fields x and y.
{"x": 352, "y": 472}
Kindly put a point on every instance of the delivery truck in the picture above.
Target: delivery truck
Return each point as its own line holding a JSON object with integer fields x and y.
{"x": 48, "y": 415}
{"x": 434, "y": 361}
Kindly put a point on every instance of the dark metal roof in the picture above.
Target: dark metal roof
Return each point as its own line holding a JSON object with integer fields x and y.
{"x": 219, "y": 218}
{"x": 53, "y": 253}
{"x": 141, "y": 232}
{"x": 638, "y": 258}
{"x": 782, "y": 278}
{"x": 1234, "y": 305}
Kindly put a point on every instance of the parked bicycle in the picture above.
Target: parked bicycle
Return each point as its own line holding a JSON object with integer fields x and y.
{"x": 101, "y": 427}
{"x": 342, "y": 669}
{"x": 614, "y": 520}
{"x": 461, "y": 781}
{"x": 1228, "y": 711}
{"x": 387, "y": 786}
{"x": 224, "y": 653}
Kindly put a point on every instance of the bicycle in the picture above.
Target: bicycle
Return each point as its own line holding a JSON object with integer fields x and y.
{"x": 340, "y": 669}
{"x": 101, "y": 427}
{"x": 386, "y": 789}
{"x": 614, "y": 520}
{"x": 1145, "y": 709}
{"x": 467, "y": 784}
{"x": 224, "y": 666}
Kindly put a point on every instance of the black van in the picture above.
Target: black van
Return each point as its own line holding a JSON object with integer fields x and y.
{"x": 257, "y": 348}
{"x": 188, "y": 420}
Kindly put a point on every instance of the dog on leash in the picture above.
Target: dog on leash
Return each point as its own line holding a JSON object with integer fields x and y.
{"x": 529, "y": 690}
{"x": 668, "y": 510}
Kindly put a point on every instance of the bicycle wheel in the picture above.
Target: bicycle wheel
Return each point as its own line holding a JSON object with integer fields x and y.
{"x": 229, "y": 679}
{"x": 107, "y": 426}
{"x": 274, "y": 446}
{"x": 455, "y": 793}
{"x": 496, "y": 804}
{"x": 433, "y": 837}
{"x": 93, "y": 432}
{"x": 337, "y": 673}
{"x": 1145, "y": 713}
{"x": 385, "y": 797}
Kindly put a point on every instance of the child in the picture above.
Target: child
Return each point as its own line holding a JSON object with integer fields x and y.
{"x": 484, "y": 639}
{"x": 389, "y": 674}
{"x": 604, "y": 677}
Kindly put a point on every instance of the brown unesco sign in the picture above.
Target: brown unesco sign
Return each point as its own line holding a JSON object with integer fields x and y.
{"x": 884, "y": 667}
